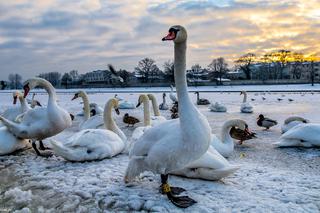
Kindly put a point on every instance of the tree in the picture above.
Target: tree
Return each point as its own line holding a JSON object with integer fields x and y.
{"x": 66, "y": 79}
{"x": 15, "y": 81}
{"x": 297, "y": 60}
{"x": 220, "y": 66}
{"x": 244, "y": 63}
{"x": 312, "y": 59}
{"x": 147, "y": 68}
{"x": 53, "y": 77}
{"x": 3, "y": 85}
{"x": 169, "y": 70}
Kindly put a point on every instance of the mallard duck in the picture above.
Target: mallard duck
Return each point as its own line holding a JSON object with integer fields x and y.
{"x": 130, "y": 120}
{"x": 290, "y": 99}
{"x": 201, "y": 101}
{"x": 279, "y": 99}
{"x": 242, "y": 135}
{"x": 266, "y": 122}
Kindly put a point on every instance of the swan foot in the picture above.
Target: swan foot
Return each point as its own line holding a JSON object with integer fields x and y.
{"x": 181, "y": 201}
{"x": 41, "y": 146}
{"x": 43, "y": 154}
{"x": 174, "y": 190}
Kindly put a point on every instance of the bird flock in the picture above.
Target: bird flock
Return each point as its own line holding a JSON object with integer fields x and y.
{"x": 183, "y": 145}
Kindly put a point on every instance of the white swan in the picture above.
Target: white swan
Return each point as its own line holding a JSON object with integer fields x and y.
{"x": 291, "y": 122}
{"x": 245, "y": 106}
{"x": 172, "y": 95}
{"x": 225, "y": 145}
{"x": 163, "y": 105}
{"x": 173, "y": 144}
{"x": 12, "y": 113}
{"x": 156, "y": 118}
{"x": 93, "y": 144}
{"x": 33, "y": 103}
{"x": 126, "y": 105}
{"x": 40, "y": 123}
{"x": 89, "y": 122}
{"x": 305, "y": 135}
{"x": 9, "y": 143}
{"x": 217, "y": 107}
{"x": 95, "y": 109}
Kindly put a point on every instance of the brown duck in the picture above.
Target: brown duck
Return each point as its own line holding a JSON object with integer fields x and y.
{"x": 242, "y": 135}
{"x": 130, "y": 120}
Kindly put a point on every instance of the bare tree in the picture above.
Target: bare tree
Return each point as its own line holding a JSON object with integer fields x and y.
{"x": 169, "y": 70}
{"x": 147, "y": 68}
{"x": 15, "y": 81}
{"x": 220, "y": 66}
{"x": 296, "y": 65}
{"x": 244, "y": 63}
{"x": 53, "y": 77}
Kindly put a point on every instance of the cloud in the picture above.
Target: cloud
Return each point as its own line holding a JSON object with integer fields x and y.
{"x": 52, "y": 35}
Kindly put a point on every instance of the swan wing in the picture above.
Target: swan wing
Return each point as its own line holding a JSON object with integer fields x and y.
{"x": 93, "y": 122}
{"x": 304, "y": 133}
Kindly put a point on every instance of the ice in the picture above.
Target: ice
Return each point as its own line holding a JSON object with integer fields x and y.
{"x": 269, "y": 179}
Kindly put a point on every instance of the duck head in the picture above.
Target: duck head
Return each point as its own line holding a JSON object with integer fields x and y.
{"x": 177, "y": 34}
{"x": 260, "y": 117}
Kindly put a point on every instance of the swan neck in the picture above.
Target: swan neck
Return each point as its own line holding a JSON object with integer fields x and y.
{"x": 86, "y": 106}
{"x": 244, "y": 97}
{"x": 107, "y": 116}
{"x": 146, "y": 112}
{"x": 181, "y": 80}
{"x": 23, "y": 102}
{"x": 225, "y": 132}
{"x": 163, "y": 99}
{"x": 154, "y": 105}
{"x": 50, "y": 90}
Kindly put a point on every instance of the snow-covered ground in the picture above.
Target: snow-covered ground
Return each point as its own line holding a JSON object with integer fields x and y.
{"x": 270, "y": 179}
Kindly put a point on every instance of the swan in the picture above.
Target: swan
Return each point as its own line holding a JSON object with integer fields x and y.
{"x": 95, "y": 109}
{"x": 217, "y": 107}
{"x": 291, "y": 122}
{"x": 225, "y": 145}
{"x": 126, "y": 105}
{"x": 89, "y": 122}
{"x": 201, "y": 101}
{"x": 304, "y": 134}
{"x": 157, "y": 118}
{"x": 12, "y": 113}
{"x": 9, "y": 143}
{"x": 33, "y": 103}
{"x": 163, "y": 105}
{"x": 245, "y": 106}
{"x": 40, "y": 123}
{"x": 93, "y": 144}
{"x": 173, "y": 144}
{"x": 172, "y": 96}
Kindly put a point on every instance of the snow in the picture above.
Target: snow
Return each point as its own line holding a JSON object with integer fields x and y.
{"x": 269, "y": 179}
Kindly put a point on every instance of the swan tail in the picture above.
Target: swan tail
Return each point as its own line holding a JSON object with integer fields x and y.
{"x": 135, "y": 167}
{"x": 14, "y": 128}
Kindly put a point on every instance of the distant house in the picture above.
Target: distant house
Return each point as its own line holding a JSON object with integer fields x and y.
{"x": 235, "y": 75}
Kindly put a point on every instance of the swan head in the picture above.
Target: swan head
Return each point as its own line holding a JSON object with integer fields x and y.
{"x": 16, "y": 95}
{"x": 78, "y": 94}
{"x": 142, "y": 99}
{"x": 32, "y": 83}
{"x": 177, "y": 34}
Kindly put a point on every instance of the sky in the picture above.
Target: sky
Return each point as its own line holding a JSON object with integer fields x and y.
{"x": 38, "y": 36}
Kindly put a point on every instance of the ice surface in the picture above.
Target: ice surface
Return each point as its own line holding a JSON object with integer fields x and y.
{"x": 269, "y": 180}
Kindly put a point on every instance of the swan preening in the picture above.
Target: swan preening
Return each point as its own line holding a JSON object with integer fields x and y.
{"x": 291, "y": 122}
{"x": 94, "y": 144}
{"x": 12, "y": 113}
{"x": 245, "y": 106}
{"x": 40, "y": 123}
{"x": 217, "y": 107}
{"x": 172, "y": 144}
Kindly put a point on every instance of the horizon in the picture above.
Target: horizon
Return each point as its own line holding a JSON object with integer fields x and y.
{"x": 50, "y": 36}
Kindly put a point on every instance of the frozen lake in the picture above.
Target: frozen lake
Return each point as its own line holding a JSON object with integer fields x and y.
{"x": 270, "y": 179}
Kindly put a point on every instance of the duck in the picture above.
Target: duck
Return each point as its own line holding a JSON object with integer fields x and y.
{"x": 217, "y": 107}
{"x": 279, "y": 99}
{"x": 93, "y": 144}
{"x": 291, "y": 122}
{"x": 163, "y": 105}
{"x": 266, "y": 122}
{"x": 157, "y": 117}
{"x": 225, "y": 145}
{"x": 301, "y": 135}
{"x": 172, "y": 144}
{"x": 88, "y": 122}
{"x": 241, "y": 135}
{"x": 12, "y": 113}
{"x": 245, "y": 106}
{"x": 130, "y": 120}
{"x": 201, "y": 101}
{"x": 126, "y": 105}
{"x": 40, "y": 123}
{"x": 290, "y": 99}
{"x": 33, "y": 103}
{"x": 172, "y": 96}
{"x": 9, "y": 143}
